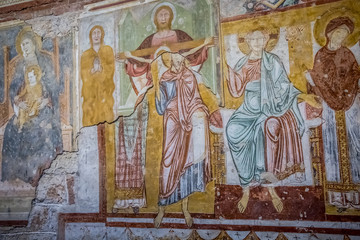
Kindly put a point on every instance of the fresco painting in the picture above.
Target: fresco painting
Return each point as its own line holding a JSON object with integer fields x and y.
{"x": 97, "y": 75}
{"x": 340, "y": 104}
{"x": 234, "y": 8}
{"x": 255, "y": 134}
{"x": 146, "y": 68}
{"x": 264, "y": 133}
{"x": 199, "y": 116}
{"x": 331, "y": 166}
{"x": 34, "y": 107}
{"x": 252, "y": 6}
{"x": 177, "y": 166}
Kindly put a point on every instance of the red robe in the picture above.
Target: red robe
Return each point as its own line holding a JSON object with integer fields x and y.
{"x": 336, "y": 75}
{"x": 177, "y": 130}
{"x": 129, "y": 171}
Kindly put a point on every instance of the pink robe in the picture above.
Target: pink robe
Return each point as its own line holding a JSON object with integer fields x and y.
{"x": 284, "y": 154}
{"x": 177, "y": 130}
{"x": 129, "y": 173}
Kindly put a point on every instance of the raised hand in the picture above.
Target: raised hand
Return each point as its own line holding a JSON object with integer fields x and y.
{"x": 128, "y": 54}
{"x": 211, "y": 41}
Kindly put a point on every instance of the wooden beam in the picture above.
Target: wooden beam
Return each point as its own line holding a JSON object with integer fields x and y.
{"x": 174, "y": 47}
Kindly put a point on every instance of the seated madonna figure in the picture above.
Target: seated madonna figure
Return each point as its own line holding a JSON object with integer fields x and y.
{"x": 264, "y": 133}
{"x": 30, "y": 147}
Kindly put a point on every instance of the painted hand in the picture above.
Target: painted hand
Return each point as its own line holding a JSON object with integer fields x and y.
{"x": 216, "y": 119}
{"x": 128, "y": 54}
{"x": 119, "y": 58}
{"x": 312, "y": 100}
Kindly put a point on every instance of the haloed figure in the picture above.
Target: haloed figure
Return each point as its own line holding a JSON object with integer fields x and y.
{"x": 264, "y": 133}
{"x": 138, "y": 68}
{"x": 140, "y": 72}
{"x": 32, "y": 136}
{"x": 97, "y": 73}
{"x": 335, "y": 78}
{"x": 31, "y": 94}
{"x": 185, "y": 165}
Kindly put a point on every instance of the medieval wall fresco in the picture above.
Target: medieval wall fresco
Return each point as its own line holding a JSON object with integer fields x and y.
{"x": 36, "y": 114}
{"x": 258, "y": 136}
{"x": 295, "y": 50}
{"x": 237, "y": 118}
{"x": 141, "y": 92}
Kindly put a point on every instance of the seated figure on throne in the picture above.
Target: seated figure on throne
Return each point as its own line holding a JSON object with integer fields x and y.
{"x": 264, "y": 133}
{"x": 30, "y": 147}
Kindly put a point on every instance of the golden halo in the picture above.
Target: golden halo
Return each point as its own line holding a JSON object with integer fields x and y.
{"x": 22, "y": 34}
{"x": 321, "y": 23}
{"x": 270, "y": 45}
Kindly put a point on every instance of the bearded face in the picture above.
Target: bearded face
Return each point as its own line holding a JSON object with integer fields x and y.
{"x": 163, "y": 19}
{"x": 257, "y": 41}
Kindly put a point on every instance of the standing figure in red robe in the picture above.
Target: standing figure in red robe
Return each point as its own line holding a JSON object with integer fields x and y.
{"x": 335, "y": 78}
{"x": 185, "y": 164}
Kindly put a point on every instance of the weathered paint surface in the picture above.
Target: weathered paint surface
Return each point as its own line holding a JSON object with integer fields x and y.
{"x": 36, "y": 121}
{"x": 188, "y": 119}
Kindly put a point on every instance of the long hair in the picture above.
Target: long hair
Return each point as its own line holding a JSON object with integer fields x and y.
{"x": 171, "y": 16}
{"x": 102, "y": 34}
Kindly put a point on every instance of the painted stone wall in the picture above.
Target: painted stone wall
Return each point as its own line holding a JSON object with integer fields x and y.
{"x": 231, "y": 119}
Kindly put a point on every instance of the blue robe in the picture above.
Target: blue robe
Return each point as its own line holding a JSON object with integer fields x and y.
{"x": 27, "y": 152}
{"x": 272, "y": 95}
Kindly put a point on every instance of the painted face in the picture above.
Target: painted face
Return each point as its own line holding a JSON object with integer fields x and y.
{"x": 27, "y": 47}
{"x": 177, "y": 61}
{"x": 163, "y": 18}
{"x": 257, "y": 41}
{"x": 32, "y": 78}
{"x": 96, "y": 36}
{"x": 338, "y": 35}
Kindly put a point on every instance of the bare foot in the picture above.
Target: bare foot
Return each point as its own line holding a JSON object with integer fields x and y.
{"x": 188, "y": 219}
{"x": 242, "y": 204}
{"x": 279, "y": 206}
{"x": 270, "y": 177}
{"x": 159, "y": 217}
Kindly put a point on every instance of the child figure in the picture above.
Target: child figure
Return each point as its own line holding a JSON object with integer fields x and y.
{"x": 31, "y": 94}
